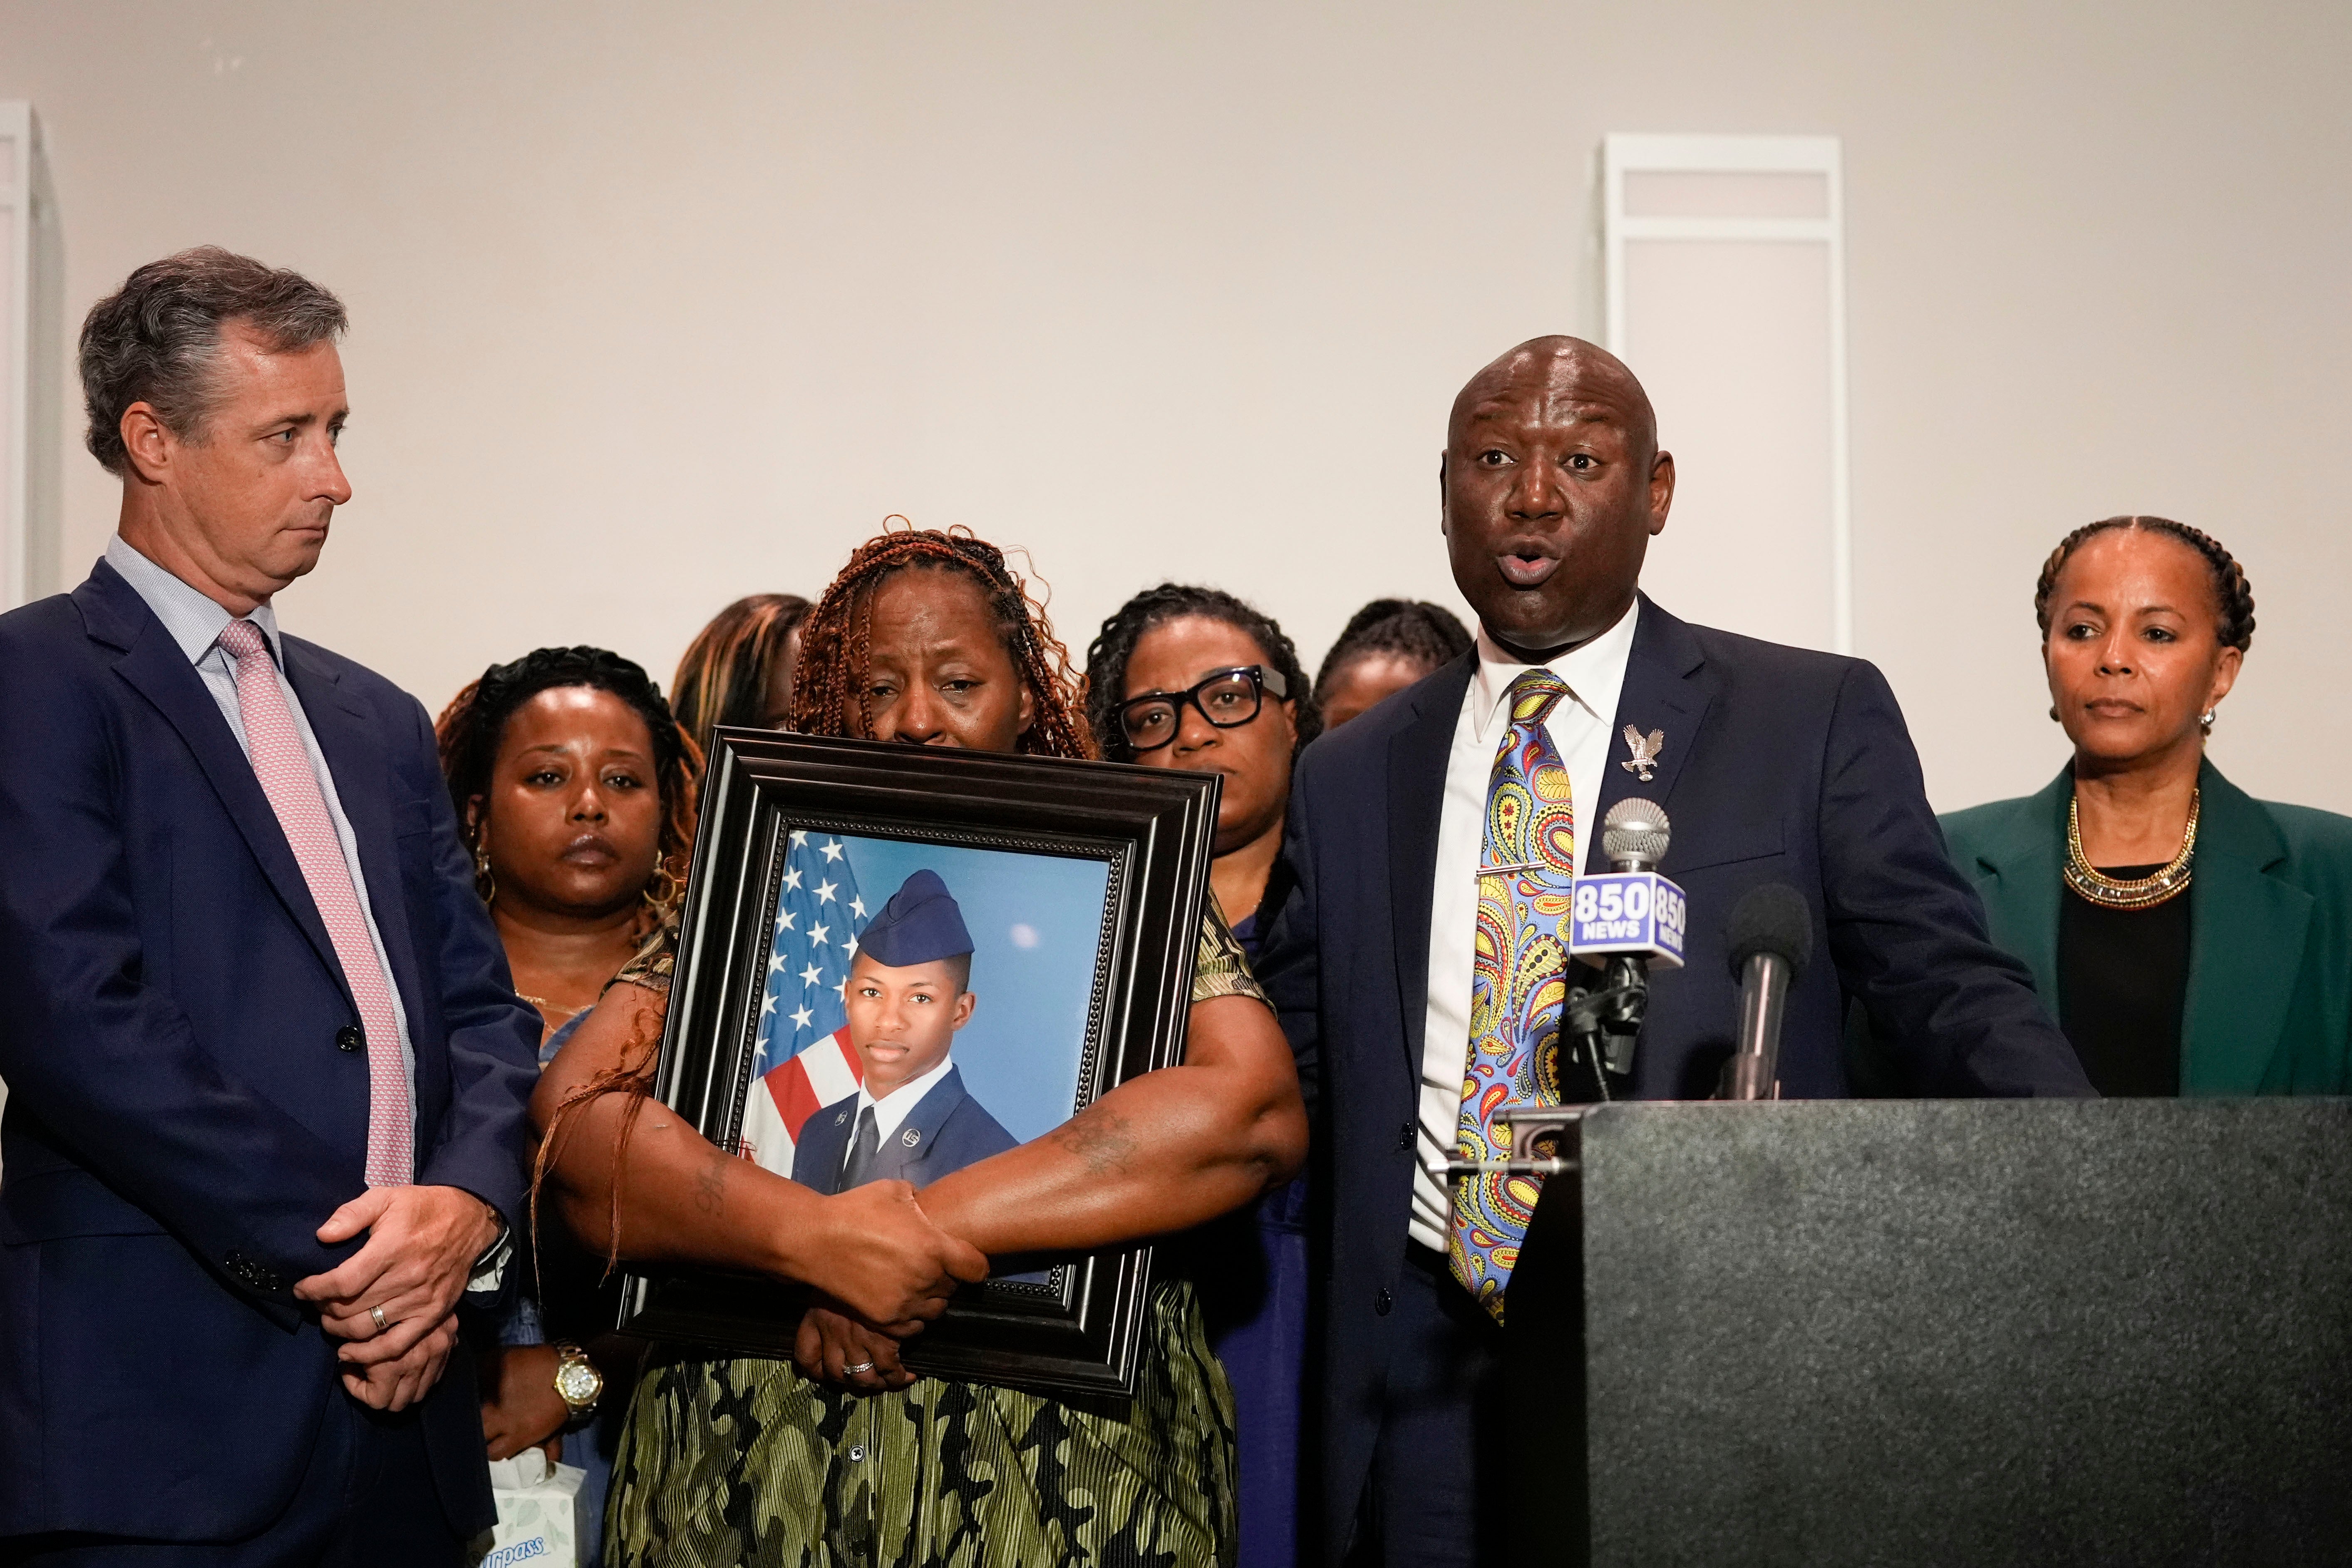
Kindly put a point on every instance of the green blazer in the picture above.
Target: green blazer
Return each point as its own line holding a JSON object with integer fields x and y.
{"x": 2269, "y": 1008}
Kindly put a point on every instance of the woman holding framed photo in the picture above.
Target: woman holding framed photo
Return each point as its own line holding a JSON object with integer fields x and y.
{"x": 926, "y": 640}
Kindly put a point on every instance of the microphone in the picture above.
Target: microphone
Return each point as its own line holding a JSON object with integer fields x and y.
{"x": 1623, "y": 921}
{"x": 1771, "y": 942}
{"x": 1634, "y": 835}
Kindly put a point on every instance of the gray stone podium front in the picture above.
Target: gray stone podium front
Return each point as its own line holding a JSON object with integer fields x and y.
{"x": 1941, "y": 1332}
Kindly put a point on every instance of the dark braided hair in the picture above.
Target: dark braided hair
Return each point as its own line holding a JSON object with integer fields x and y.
{"x": 1424, "y": 634}
{"x": 471, "y": 728}
{"x": 2231, "y": 593}
{"x": 836, "y": 640}
{"x": 1114, "y": 646}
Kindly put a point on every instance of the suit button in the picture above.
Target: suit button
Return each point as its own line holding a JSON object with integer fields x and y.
{"x": 349, "y": 1037}
{"x": 1405, "y": 1138}
{"x": 1383, "y": 1301}
{"x": 251, "y": 1275}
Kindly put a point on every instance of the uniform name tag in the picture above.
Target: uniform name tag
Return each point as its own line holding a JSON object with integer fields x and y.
{"x": 1629, "y": 912}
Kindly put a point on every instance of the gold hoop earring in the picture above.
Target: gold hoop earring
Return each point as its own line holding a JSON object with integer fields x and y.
{"x": 664, "y": 903}
{"x": 484, "y": 883}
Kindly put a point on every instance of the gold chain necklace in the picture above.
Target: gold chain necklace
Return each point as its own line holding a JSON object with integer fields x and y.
{"x": 544, "y": 1006}
{"x": 2142, "y": 893}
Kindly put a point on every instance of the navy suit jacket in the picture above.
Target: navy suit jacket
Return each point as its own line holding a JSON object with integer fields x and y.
{"x": 1779, "y": 765}
{"x": 947, "y": 1130}
{"x": 180, "y": 1119}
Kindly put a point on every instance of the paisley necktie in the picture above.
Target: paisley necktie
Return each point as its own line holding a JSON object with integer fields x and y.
{"x": 1519, "y": 980}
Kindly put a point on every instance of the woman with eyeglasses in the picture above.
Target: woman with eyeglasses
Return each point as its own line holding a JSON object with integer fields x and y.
{"x": 1192, "y": 678}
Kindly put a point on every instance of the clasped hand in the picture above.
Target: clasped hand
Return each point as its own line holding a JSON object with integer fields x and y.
{"x": 873, "y": 1250}
{"x": 883, "y": 1271}
{"x": 422, "y": 1243}
{"x": 835, "y": 1346}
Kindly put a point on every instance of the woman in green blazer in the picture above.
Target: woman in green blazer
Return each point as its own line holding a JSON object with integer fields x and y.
{"x": 2190, "y": 938}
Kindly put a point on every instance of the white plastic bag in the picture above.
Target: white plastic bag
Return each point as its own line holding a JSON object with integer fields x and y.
{"x": 539, "y": 1513}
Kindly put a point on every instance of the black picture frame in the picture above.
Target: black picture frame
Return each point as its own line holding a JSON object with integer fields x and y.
{"x": 1153, "y": 828}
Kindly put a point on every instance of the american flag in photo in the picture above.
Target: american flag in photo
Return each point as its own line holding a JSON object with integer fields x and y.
{"x": 804, "y": 1059}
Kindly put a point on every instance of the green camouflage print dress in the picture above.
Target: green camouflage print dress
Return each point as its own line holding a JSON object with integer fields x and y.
{"x": 740, "y": 1460}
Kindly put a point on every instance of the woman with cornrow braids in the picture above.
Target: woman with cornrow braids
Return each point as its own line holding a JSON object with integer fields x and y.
{"x": 1387, "y": 646}
{"x": 2190, "y": 939}
{"x": 575, "y": 789}
{"x": 839, "y": 1455}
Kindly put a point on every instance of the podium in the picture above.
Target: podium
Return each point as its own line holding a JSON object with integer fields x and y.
{"x": 1939, "y": 1331}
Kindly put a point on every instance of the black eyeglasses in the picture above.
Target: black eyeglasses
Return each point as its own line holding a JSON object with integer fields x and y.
{"x": 1227, "y": 699}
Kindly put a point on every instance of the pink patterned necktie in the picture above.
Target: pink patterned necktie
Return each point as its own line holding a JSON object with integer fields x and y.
{"x": 283, "y": 766}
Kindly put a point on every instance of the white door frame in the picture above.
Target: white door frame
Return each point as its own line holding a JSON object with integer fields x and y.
{"x": 29, "y": 406}
{"x": 1623, "y": 154}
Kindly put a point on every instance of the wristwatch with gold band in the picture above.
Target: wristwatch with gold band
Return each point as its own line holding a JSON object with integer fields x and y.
{"x": 578, "y": 1382}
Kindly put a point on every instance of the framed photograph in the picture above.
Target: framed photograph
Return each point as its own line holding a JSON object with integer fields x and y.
{"x": 1001, "y": 938}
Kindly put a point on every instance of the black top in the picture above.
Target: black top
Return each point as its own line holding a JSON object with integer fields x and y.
{"x": 2122, "y": 977}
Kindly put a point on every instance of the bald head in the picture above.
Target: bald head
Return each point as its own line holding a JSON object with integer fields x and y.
{"x": 1573, "y": 380}
{"x": 1552, "y": 485}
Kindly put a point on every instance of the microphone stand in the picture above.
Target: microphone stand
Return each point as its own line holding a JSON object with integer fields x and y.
{"x": 1754, "y": 1070}
{"x": 1612, "y": 1013}
{"x": 1601, "y": 1023}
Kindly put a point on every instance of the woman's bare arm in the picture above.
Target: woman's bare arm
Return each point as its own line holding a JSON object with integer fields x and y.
{"x": 684, "y": 1200}
{"x": 1159, "y": 1154}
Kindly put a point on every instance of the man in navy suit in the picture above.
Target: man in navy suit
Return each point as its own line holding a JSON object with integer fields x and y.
{"x": 909, "y": 991}
{"x": 1777, "y": 765}
{"x": 267, "y": 1074}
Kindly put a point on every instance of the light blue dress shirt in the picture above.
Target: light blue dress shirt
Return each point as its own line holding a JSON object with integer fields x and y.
{"x": 196, "y": 623}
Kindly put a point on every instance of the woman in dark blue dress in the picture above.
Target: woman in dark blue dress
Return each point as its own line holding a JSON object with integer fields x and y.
{"x": 1194, "y": 678}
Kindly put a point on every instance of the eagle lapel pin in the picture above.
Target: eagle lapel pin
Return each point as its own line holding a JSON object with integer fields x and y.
{"x": 1645, "y": 749}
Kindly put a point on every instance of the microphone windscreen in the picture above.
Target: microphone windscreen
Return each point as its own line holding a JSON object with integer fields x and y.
{"x": 1636, "y": 830}
{"x": 1771, "y": 919}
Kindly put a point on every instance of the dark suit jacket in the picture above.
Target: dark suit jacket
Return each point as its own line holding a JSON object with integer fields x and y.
{"x": 947, "y": 1130}
{"x": 2269, "y": 1009}
{"x": 180, "y": 1119}
{"x": 1779, "y": 765}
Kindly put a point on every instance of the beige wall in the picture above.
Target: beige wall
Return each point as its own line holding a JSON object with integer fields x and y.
{"x": 658, "y": 304}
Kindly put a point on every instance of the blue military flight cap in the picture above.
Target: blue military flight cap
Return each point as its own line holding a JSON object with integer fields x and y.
{"x": 921, "y": 924}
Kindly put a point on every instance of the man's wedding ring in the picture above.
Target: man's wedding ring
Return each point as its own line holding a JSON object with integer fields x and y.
{"x": 854, "y": 1371}
{"x": 377, "y": 1313}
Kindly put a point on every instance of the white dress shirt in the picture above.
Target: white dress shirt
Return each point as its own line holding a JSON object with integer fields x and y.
{"x": 895, "y": 1107}
{"x": 1579, "y": 727}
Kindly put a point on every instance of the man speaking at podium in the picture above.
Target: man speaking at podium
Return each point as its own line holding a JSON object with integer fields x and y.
{"x": 1413, "y": 1003}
